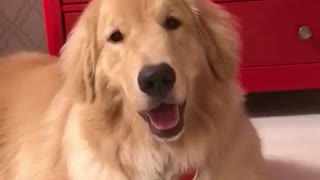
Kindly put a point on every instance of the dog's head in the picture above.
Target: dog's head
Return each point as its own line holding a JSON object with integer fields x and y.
{"x": 151, "y": 51}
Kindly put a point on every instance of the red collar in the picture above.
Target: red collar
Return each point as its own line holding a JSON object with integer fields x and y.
{"x": 189, "y": 176}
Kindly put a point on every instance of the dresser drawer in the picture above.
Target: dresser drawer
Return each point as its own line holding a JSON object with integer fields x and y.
{"x": 73, "y": 9}
{"x": 269, "y": 31}
{"x": 275, "y": 58}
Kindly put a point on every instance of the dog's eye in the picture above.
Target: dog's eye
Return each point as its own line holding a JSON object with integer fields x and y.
{"x": 172, "y": 23}
{"x": 116, "y": 37}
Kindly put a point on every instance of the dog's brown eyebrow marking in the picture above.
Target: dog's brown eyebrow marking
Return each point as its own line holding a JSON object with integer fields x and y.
{"x": 214, "y": 72}
{"x": 92, "y": 85}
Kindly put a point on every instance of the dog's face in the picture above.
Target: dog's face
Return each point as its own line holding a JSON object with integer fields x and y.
{"x": 149, "y": 50}
{"x": 152, "y": 50}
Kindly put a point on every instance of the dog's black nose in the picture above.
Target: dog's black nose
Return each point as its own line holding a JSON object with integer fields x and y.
{"x": 157, "y": 80}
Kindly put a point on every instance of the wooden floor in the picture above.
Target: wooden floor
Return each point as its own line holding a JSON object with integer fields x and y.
{"x": 289, "y": 127}
{"x": 295, "y": 138}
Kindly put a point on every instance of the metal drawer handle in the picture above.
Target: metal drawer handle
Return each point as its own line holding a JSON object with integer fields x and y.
{"x": 305, "y": 32}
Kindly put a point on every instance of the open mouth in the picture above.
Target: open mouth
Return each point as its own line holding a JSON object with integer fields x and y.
{"x": 166, "y": 120}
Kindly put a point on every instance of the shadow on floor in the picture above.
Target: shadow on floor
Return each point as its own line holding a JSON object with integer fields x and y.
{"x": 284, "y": 103}
{"x": 282, "y": 170}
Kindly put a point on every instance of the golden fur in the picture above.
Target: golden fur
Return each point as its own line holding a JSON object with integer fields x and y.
{"x": 78, "y": 119}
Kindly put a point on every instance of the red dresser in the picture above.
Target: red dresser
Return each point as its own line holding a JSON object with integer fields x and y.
{"x": 281, "y": 39}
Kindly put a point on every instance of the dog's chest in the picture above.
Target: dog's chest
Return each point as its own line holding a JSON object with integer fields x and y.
{"x": 157, "y": 165}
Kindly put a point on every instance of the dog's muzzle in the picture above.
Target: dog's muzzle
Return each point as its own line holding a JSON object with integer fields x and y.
{"x": 166, "y": 119}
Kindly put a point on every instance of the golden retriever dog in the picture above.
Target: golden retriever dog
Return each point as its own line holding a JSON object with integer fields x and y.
{"x": 143, "y": 90}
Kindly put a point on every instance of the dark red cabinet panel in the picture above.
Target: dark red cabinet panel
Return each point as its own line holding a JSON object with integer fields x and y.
{"x": 70, "y": 19}
{"x": 269, "y": 30}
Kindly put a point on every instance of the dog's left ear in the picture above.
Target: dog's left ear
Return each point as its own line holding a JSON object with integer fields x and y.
{"x": 80, "y": 54}
{"x": 219, "y": 36}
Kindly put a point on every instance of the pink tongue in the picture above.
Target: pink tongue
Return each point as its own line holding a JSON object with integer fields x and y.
{"x": 164, "y": 117}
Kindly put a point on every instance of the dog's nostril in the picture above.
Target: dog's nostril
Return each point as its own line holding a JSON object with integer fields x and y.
{"x": 150, "y": 84}
{"x": 157, "y": 81}
{"x": 167, "y": 82}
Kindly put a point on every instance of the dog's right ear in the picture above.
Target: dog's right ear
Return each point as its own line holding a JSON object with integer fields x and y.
{"x": 220, "y": 38}
{"x": 80, "y": 54}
